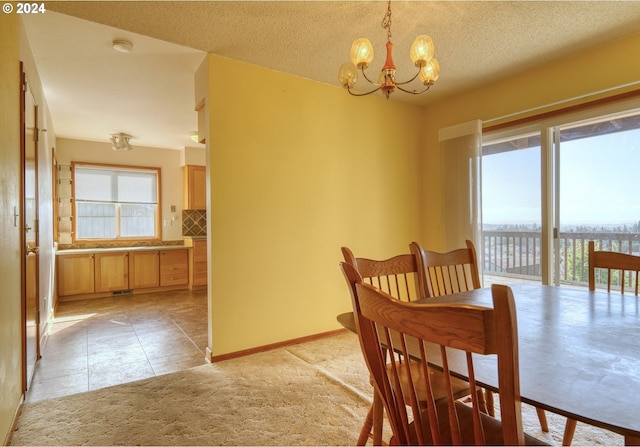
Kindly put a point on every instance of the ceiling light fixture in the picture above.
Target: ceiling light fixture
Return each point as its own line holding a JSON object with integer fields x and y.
{"x": 194, "y": 136}
{"x": 120, "y": 141}
{"x": 122, "y": 45}
{"x": 421, "y": 54}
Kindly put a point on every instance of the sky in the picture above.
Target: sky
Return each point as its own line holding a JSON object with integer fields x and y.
{"x": 599, "y": 182}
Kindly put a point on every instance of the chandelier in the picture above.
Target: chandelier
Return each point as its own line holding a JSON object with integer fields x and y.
{"x": 421, "y": 54}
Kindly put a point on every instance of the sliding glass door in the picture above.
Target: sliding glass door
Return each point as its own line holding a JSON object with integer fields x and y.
{"x": 549, "y": 189}
{"x": 511, "y": 209}
{"x": 599, "y": 164}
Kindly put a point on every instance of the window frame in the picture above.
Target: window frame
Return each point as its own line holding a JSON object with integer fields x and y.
{"x": 157, "y": 218}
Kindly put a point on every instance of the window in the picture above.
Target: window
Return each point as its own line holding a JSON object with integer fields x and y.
{"x": 113, "y": 202}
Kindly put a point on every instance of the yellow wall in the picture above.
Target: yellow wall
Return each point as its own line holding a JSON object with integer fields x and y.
{"x": 10, "y": 326}
{"x": 298, "y": 169}
{"x": 605, "y": 67}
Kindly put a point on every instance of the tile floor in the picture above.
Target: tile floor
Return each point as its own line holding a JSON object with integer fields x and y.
{"x": 102, "y": 342}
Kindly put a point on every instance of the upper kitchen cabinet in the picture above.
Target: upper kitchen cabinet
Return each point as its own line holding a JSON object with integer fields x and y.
{"x": 195, "y": 187}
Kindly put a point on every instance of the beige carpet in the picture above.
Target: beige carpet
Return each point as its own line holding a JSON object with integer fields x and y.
{"x": 314, "y": 393}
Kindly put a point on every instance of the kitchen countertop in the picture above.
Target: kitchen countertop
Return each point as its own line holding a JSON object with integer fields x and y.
{"x": 72, "y": 251}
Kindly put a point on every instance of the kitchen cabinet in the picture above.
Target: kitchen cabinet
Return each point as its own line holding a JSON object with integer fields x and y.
{"x": 195, "y": 187}
{"x": 198, "y": 263}
{"x": 111, "y": 271}
{"x": 100, "y": 273}
{"x": 174, "y": 267}
{"x": 76, "y": 274}
{"x": 144, "y": 269}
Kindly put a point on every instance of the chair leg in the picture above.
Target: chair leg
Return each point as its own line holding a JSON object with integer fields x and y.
{"x": 372, "y": 426}
{"x": 482, "y": 403}
{"x": 542, "y": 417}
{"x": 378, "y": 415}
{"x": 488, "y": 398}
{"x": 569, "y": 430}
{"x": 365, "y": 431}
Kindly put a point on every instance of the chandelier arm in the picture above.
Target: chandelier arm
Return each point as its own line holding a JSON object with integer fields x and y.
{"x": 362, "y": 94}
{"x": 367, "y": 78}
{"x": 413, "y": 92}
{"x": 406, "y": 82}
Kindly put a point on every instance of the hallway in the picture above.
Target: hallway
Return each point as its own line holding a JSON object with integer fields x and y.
{"x": 108, "y": 341}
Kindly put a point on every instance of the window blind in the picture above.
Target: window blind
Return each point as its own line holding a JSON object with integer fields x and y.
{"x": 115, "y": 185}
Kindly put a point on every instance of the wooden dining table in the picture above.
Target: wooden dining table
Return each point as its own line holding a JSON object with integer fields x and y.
{"x": 579, "y": 353}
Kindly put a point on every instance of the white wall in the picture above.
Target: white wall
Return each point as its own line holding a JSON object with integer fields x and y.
{"x": 46, "y": 145}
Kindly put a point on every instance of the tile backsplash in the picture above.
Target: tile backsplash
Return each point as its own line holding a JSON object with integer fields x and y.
{"x": 194, "y": 222}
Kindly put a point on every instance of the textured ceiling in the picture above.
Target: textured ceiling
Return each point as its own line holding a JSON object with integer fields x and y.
{"x": 476, "y": 43}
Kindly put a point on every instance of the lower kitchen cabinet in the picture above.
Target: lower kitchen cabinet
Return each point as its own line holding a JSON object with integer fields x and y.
{"x": 76, "y": 274}
{"x": 103, "y": 273}
{"x": 111, "y": 271}
{"x": 198, "y": 263}
{"x": 174, "y": 267}
{"x": 144, "y": 269}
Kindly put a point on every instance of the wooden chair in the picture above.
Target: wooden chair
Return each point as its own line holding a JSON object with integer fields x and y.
{"x": 398, "y": 277}
{"x": 445, "y": 335}
{"x": 453, "y": 272}
{"x": 447, "y": 273}
{"x": 610, "y": 260}
{"x": 606, "y": 260}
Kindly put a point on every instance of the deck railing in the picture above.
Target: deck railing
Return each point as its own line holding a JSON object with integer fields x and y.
{"x": 518, "y": 253}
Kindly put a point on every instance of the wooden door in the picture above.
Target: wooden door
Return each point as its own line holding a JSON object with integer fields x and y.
{"x": 30, "y": 258}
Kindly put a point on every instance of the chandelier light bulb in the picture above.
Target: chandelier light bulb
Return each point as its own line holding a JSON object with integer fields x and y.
{"x": 421, "y": 51}
{"x": 361, "y": 53}
{"x": 348, "y": 75}
{"x": 430, "y": 73}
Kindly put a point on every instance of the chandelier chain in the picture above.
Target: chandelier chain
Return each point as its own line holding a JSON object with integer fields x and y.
{"x": 386, "y": 21}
